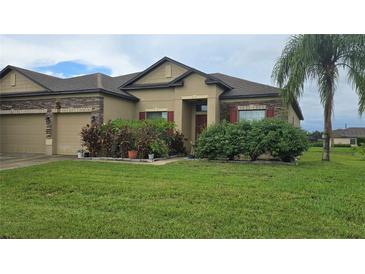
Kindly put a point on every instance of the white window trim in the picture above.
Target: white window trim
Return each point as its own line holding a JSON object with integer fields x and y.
{"x": 248, "y": 110}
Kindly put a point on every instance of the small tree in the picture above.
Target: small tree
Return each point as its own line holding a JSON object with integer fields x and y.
{"x": 314, "y": 56}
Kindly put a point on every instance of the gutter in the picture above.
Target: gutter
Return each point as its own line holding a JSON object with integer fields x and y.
{"x": 82, "y": 91}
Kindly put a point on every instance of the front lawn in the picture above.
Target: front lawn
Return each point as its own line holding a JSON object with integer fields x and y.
{"x": 189, "y": 199}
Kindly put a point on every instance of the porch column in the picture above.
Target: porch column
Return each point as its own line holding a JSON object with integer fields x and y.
{"x": 50, "y": 125}
{"x": 178, "y": 117}
{"x": 213, "y": 110}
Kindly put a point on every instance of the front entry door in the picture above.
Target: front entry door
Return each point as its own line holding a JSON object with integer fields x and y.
{"x": 200, "y": 124}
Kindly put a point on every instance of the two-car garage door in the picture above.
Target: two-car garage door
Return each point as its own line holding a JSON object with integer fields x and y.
{"x": 22, "y": 133}
{"x": 26, "y": 133}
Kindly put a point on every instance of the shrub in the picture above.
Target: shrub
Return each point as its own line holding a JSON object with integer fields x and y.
{"x": 107, "y": 139}
{"x": 210, "y": 143}
{"x": 223, "y": 140}
{"x": 115, "y": 138}
{"x": 124, "y": 140}
{"x": 175, "y": 142}
{"x": 360, "y": 150}
{"x": 277, "y": 137}
{"x": 159, "y": 148}
{"x": 341, "y": 145}
{"x": 90, "y": 136}
{"x": 316, "y": 144}
{"x": 236, "y": 139}
{"x": 289, "y": 142}
{"x": 145, "y": 135}
{"x": 360, "y": 141}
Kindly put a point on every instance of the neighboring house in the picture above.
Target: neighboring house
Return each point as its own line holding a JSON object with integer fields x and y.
{"x": 44, "y": 114}
{"x": 348, "y": 136}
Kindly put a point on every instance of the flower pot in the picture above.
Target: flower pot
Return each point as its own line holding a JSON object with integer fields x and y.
{"x": 132, "y": 154}
{"x": 151, "y": 156}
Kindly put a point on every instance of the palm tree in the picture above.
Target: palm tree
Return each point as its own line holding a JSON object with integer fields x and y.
{"x": 320, "y": 57}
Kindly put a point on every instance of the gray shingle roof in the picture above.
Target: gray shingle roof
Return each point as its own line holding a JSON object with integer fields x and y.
{"x": 85, "y": 82}
{"x": 350, "y": 132}
{"x": 243, "y": 87}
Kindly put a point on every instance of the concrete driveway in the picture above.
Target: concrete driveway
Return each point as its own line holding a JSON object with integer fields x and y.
{"x": 15, "y": 160}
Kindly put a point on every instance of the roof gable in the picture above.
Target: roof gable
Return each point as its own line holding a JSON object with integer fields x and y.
{"x": 32, "y": 76}
{"x": 163, "y": 73}
{"x": 184, "y": 72}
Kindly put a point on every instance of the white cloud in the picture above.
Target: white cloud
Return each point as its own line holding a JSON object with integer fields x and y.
{"x": 34, "y": 51}
{"x": 59, "y": 75}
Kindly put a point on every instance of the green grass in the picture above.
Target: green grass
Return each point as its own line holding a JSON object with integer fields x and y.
{"x": 190, "y": 199}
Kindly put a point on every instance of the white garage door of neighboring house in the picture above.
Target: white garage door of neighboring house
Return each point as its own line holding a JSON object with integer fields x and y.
{"x": 68, "y": 129}
{"x": 24, "y": 133}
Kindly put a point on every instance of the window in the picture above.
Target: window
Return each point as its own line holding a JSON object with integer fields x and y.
{"x": 157, "y": 115}
{"x": 251, "y": 115}
{"x": 353, "y": 141}
{"x": 202, "y": 108}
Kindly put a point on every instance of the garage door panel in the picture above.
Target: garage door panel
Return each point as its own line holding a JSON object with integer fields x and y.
{"x": 22, "y": 133}
{"x": 68, "y": 131}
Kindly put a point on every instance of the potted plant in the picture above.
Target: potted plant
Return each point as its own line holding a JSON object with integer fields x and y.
{"x": 132, "y": 145}
{"x": 157, "y": 148}
{"x": 80, "y": 153}
{"x": 132, "y": 152}
{"x": 151, "y": 156}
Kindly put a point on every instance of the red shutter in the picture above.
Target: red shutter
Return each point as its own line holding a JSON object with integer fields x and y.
{"x": 270, "y": 112}
{"x": 170, "y": 116}
{"x": 142, "y": 115}
{"x": 233, "y": 114}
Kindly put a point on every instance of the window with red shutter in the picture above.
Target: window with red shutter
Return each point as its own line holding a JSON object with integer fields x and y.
{"x": 142, "y": 115}
{"x": 233, "y": 114}
{"x": 170, "y": 116}
{"x": 270, "y": 112}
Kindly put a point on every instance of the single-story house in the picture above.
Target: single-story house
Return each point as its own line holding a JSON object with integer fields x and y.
{"x": 44, "y": 114}
{"x": 348, "y": 136}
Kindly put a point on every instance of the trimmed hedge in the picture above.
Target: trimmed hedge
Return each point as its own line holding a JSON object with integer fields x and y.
{"x": 269, "y": 136}
{"x": 316, "y": 144}
{"x": 341, "y": 145}
{"x": 116, "y": 138}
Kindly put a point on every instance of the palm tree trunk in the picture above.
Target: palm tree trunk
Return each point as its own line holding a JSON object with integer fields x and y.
{"x": 328, "y": 123}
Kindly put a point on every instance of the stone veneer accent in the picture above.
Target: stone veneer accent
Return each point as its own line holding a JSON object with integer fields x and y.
{"x": 96, "y": 104}
{"x": 280, "y": 111}
{"x": 53, "y": 106}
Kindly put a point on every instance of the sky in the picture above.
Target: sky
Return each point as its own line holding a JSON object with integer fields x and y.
{"x": 250, "y": 57}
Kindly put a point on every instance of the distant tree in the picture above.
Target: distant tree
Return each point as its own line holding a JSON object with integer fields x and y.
{"x": 315, "y": 136}
{"x": 320, "y": 56}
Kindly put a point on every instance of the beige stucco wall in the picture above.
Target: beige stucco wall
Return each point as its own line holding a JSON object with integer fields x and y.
{"x": 342, "y": 141}
{"x": 115, "y": 108}
{"x": 196, "y": 88}
{"x": 22, "y": 84}
{"x": 158, "y": 99}
{"x": 158, "y": 75}
{"x": 293, "y": 117}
